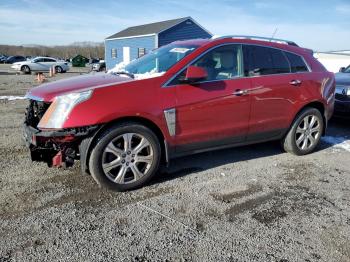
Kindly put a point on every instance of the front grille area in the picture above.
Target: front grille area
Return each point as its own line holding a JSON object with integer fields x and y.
{"x": 34, "y": 112}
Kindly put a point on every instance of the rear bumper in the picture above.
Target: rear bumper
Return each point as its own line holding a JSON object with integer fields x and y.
{"x": 56, "y": 147}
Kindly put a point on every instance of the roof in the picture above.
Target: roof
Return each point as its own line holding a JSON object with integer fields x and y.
{"x": 147, "y": 29}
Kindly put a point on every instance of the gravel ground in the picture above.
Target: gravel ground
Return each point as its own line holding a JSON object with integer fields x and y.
{"x": 253, "y": 203}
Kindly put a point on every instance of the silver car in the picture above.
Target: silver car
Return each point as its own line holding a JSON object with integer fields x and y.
{"x": 41, "y": 64}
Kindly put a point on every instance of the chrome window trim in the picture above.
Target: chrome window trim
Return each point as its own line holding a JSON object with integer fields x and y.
{"x": 166, "y": 84}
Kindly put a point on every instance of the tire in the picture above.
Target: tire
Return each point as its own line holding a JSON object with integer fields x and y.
{"x": 119, "y": 167}
{"x": 58, "y": 69}
{"x": 25, "y": 69}
{"x": 305, "y": 133}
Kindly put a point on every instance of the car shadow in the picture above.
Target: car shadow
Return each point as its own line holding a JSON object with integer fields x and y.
{"x": 338, "y": 130}
{"x": 184, "y": 166}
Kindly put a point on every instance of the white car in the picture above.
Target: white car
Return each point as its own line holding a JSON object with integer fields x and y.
{"x": 41, "y": 64}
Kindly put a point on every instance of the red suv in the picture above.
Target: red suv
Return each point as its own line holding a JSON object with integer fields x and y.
{"x": 183, "y": 98}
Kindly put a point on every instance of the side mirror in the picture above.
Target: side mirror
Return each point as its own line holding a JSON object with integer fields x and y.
{"x": 195, "y": 74}
{"x": 342, "y": 69}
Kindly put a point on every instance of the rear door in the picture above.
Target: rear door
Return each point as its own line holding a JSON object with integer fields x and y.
{"x": 214, "y": 112}
{"x": 275, "y": 91}
{"x": 49, "y": 62}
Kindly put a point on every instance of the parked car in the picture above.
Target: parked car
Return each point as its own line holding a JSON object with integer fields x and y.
{"x": 14, "y": 59}
{"x": 3, "y": 59}
{"x": 98, "y": 67}
{"x": 183, "y": 98}
{"x": 93, "y": 61}
{"x": 41, "y": 64}
{"x": 342, "y": 93}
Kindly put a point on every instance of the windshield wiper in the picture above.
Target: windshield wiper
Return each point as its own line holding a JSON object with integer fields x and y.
{"x": 124, "y": 73}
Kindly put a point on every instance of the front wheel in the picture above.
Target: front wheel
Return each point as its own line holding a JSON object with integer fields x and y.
{"x": 25, "y": 69}
{"x": 125, "y": 157}
{"x": 305, "y": 133}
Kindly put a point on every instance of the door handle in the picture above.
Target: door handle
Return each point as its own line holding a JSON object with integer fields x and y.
{"x": 295, "y": 82}
{"x": 240, "y": 92}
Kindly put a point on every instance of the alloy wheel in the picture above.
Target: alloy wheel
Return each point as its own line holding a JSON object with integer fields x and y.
{"x": 127, "y": 158}
{"x": 26, "y": 69}
{"x": 308, "y": 132}
{"x": 58, "y": 69}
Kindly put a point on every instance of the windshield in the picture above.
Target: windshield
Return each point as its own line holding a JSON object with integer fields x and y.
{"x": 159, "y": 60}
{"x": 347, "y": 70}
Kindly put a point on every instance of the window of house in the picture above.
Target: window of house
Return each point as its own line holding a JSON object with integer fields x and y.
{"x": 114, "y": 53}
{"x": 141, "y": 51}
{"x": 260, "y": 60}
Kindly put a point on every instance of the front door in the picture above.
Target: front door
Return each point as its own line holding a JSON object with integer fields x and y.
{"x": 126, "y": 54}
{"x": 214, "y": 112}
{"x": 39, "y": 65}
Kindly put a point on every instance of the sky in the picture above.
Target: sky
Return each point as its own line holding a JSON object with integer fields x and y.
{"x": 321, "y": 25}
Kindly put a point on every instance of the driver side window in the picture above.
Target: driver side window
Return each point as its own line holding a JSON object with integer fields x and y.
{"x": 221, "y": 63}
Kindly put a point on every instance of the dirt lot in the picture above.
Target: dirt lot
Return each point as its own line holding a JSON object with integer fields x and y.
{"x": 253, "y": 203}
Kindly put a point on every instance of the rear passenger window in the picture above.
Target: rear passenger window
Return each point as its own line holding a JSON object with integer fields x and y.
{"x": 297, "y": 64}
{"x": 260, "y": 60}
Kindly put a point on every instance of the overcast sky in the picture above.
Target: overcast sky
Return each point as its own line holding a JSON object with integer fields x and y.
{"x": 321, "y": 25}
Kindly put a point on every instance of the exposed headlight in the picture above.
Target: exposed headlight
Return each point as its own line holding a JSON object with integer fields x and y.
{"x": 58, "y": 112}
{"x": 342, "y": 90}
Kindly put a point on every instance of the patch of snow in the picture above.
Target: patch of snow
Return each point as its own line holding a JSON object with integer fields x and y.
{"x": 11, "y": 98}
{"x": 121, "y": 67}
{"x": 151, "y": 74}
{"x": 118, "y": 67}
{"x": 338, "y": 142}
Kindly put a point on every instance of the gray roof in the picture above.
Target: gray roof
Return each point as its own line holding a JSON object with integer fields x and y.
{"x": 152, "y": 28}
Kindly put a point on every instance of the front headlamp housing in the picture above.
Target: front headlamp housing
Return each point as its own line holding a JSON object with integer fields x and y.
{"x": 59, "y": 110}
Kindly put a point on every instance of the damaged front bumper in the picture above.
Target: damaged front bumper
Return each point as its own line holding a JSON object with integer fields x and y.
{"x": 57, "y": 148}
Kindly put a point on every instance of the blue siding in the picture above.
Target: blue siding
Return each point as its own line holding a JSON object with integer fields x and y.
{"x": 183, "y": 31}
{"x": 147, "y": 42}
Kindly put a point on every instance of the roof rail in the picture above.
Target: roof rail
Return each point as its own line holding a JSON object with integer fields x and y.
{"x": 257, "y": 38}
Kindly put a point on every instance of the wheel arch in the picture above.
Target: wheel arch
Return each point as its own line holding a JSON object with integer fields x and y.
{"x": 88, "y": 143}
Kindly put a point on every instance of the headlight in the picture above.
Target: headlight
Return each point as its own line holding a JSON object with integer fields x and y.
{"x": 58, "y": 112}
{"x": 342, "y": 90}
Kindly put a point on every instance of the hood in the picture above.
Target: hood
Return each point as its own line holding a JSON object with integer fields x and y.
{"x": 342, "y": 78}
{"x": 47, "y": 92}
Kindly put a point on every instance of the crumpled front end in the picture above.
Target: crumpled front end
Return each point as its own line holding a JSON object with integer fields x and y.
{"x": 56, "y": 147}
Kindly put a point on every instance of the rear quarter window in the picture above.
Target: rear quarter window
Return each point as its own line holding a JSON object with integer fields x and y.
{"x": 297, "y": 64}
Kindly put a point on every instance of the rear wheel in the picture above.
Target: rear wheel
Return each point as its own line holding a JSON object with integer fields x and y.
{"x": 58, "y": 69}
{"x": 25, "y": 69}
{"x": 125, "y": 157}
{"x": 305, "y": 134}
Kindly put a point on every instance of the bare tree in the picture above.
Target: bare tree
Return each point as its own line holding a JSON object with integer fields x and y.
{"x": 64, "y": 52}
